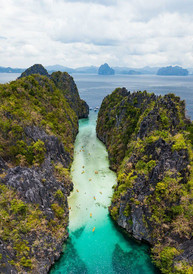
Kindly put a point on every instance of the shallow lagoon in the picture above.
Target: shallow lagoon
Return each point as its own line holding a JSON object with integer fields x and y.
{"x": 106, "y": 250}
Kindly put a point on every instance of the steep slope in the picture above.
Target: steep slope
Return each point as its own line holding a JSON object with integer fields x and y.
{"x": 65, "y": 82}
{"x": 38, "y": 130}
{"x": 150, "y": 140}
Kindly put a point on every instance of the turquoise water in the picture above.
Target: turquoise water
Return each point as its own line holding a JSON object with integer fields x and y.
{"x": 104, "y": 250}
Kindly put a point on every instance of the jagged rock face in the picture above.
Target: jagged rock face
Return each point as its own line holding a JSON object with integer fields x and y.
{"x": 38, "y": 129}
{"x": 66, "y": 83}
{"x": 150, "y": 146}
{"x": 40, "y": 186}
{"x": 35, "y": 69}
{"x": 54, "y": 149}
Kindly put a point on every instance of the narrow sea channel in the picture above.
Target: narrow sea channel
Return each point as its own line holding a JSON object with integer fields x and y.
{"x": 95, "y": 245}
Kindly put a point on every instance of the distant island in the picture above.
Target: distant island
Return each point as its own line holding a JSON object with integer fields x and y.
{"x": 105, "y": 70}
{"x": 130, "y": 72}
{"x": 169, "y": 71}
{"x": 11, "y": 70}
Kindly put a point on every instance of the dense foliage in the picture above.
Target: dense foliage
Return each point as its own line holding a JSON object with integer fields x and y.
{"x": 150, "y": 143}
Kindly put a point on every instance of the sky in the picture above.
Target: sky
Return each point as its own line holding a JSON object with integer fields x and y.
{"x": 76, "y": 33}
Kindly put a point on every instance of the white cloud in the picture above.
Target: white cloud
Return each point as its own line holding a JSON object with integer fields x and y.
{"x": 75, "y": 33}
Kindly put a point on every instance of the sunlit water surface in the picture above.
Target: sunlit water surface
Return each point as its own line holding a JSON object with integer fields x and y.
{"x": 104, "y": 250}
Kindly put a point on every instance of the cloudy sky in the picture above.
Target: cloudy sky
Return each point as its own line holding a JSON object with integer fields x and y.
{"x": 133, "y": 33}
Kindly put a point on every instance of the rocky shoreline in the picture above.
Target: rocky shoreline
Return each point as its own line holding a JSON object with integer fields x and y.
{"x": 39, "y": 121}
{"x": 149, "y": 140}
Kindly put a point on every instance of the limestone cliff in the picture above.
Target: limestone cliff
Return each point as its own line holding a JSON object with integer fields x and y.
{"x": 38, "y": 130}
{"x": 65, "y": 82}
{"x": 149, "y": 140}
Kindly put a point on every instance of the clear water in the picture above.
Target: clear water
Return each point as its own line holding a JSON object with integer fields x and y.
{"x": 105, "y": 250}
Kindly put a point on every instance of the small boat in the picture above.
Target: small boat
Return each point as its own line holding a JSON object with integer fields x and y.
{"x": 69, "y": 207}
{"x": 100, "y": 192}
{"x": 94, "y": 198}
{"x": 96, "y": 172}
{"x": 90, "y": 179}
{"x": 90, "y": 108}
{"x": 82, "y": 166}
{"x": 97, "y": 107}
{"x": 93, "y": 229}
{"x": 77, "y": 190}
{"x": 82, "y": 172}
{"x": 90, "y": 215}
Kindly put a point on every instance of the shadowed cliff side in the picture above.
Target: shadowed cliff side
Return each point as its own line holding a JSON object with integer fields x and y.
{"x": 149, "y": 140}
{"x": 65, "y": 82}
{"x": 38, "y": 130}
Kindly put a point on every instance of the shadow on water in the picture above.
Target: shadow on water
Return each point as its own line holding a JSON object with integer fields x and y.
{"x": 70, "y": 262}
{"x": 135, "y": 261}
{"x": 77, "y": 233}
{"x": 126, "y": 262}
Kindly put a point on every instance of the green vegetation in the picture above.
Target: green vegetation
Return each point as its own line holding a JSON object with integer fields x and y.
{"x": 165, "y": 262}
{"x": 39, "y": 123}
{"x": 179, "y": 142}
{"x": 150, "y": 141}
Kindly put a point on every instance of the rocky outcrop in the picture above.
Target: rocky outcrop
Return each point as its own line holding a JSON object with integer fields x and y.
{"x": 65, "y": 82}
{"x": 35, "y": 69}
{"x": 38, "y": 130}
{"x": 149, "y": 140}
{"x": 105, "y": 70}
